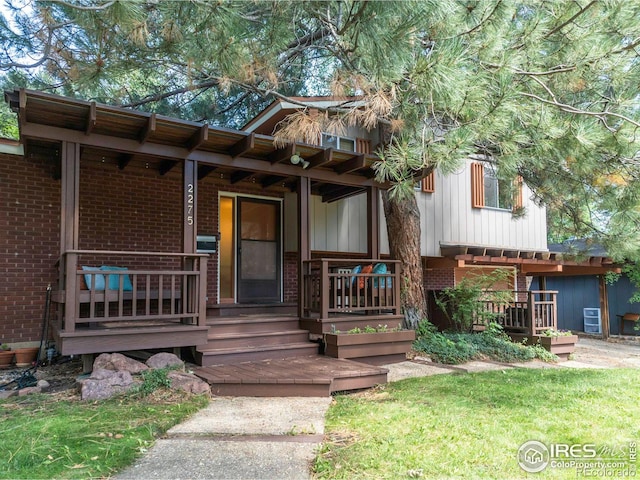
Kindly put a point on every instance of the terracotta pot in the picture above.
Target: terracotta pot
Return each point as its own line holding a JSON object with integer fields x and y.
{"x": 6, "y": 357}
{"x": 26, "y": 356}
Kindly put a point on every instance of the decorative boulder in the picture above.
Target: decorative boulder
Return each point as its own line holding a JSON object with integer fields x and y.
{"x": 188, "y": 382}
{"x": 118, "y": 362}
{"x": 103, "y": 384}
{"x": 164, "y": 360}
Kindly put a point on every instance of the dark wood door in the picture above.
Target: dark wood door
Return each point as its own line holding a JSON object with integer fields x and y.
{"x": 259, "y": 251}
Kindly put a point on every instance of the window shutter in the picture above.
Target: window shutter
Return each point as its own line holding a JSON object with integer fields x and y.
{"x": 477, "y": 185}
{"x": 429, "y": 183}
{"x": 363, "y": 145}
{"x": 517, "y": 198}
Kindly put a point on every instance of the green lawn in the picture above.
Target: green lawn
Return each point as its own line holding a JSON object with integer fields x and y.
{"x": 44, "y": 437}
{"x": 471, "y": 425}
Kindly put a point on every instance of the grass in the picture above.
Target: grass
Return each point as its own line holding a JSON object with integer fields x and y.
{"x": 471, "y": 425}
{"x": 45, "y": 437}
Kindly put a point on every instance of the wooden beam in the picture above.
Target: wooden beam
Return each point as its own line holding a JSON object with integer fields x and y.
{"x": 149, "y": 129}
{"x": 240, "y": 175}
{"x": 282, "y": 154}
{"x": 342, "y": 193}
{"x": 204, "y": 170}
{"x": 166, "y": 166}
{"x": 91, "y": 119}
{"x": 304, "y": 235}
{"x": 540, "y": 268}
{"x": 198, "y": 138}
{"x": 124, "y": 160}
{"x": 22, "y": 108}
{"x": 373, "y": 218}
{"x": 351, "y": 165}
{"x": 70, "y": 197}
{"x": 271, "y": 180}
{"x": 119, "y": 144}
{"x": 190, "y": 205}
{"x": 445, "y": 263}
{"x": 604, "y": 306}
{"x": 242, "y": 146}
{"x": 321, "y": 158}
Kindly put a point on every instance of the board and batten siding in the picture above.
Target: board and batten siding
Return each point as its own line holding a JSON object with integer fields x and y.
{"x": 446, "y": 216}
{"x": 339, "y": 226}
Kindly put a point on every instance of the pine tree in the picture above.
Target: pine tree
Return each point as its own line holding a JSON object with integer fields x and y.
{"x": 547, "y": 90}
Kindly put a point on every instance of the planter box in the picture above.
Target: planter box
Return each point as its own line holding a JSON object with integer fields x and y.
{"x": 25, "y": 357}
{"x": 560, "y": 346}
{"x": 372, "y": 348}
{"x": 6, "y": 358}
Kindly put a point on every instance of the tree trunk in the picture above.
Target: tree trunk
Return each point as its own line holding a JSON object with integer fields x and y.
{"x": 403, "y": 230}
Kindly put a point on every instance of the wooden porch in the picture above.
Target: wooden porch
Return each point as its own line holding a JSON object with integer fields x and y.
{"x": 531, "y": 314}
{"x": 308, "y": 376}
{"x": 341, "y": 294}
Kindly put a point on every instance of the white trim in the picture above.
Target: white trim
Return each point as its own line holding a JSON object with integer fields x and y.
{"x": 235, "y": 195}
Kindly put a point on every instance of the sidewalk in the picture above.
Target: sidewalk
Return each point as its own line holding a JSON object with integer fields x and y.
{"x": 277, "y": 438}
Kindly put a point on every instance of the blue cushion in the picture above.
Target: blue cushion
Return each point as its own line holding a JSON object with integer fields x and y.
{"x": 114, "y": 280}
{"x": 98, "y": 279}
{"x": 356, "y": 269}
{"x": 380, "y": 268}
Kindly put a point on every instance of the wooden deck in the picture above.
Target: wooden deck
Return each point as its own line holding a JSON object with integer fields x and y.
{"x": 311, "y": 376}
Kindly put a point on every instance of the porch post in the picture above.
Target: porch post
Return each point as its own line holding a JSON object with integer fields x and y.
{"x": 70, "y": 197}
{"x": 192, "y": 295}
{"x": 604, "y": 306}
{"x": 373, "y": 222}
{"x": 304, "y": 245}
{"x": 69, "y": 224}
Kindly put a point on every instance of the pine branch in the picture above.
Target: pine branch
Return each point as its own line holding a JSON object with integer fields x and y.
{"x": 104, "y": 6}
{"x": 171, "y": 93}
{"x": 580, "y": 12}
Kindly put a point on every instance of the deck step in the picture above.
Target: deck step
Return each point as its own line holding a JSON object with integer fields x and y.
{"x": 252, "y": 324}
{"x": 231, "y": 340}
{"x": 306, "y": 376}
{"x": 225, "y": 356}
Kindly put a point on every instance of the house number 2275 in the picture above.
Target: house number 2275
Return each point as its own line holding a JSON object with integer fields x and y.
{"x": 189, "y": 201}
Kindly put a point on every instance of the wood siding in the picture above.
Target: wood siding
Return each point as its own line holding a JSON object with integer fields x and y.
{"x": 447, "y": 216}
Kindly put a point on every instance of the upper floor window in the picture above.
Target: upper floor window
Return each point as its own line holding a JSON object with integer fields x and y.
{"x": 489, "y": 191}
{"x": 339, "y": 143}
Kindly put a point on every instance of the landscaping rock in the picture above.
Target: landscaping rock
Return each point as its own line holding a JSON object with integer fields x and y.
{"x": 188, "y": 382}
{"x": 28, "y": 391}
{"x": 7, "y": 393}
{"x": 43, "y": 384}
{"x": 118, "y": 362}
{"x": 105, "y": 383}
{"x": 164, "y": 360}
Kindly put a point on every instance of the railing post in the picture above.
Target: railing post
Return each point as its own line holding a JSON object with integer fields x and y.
{"x": 530, "y": 313}
{"x": 202, "y": 310}
{"x": 324, "y": 288}
{"x": 397, "y": 310}
{"x": 70, "y": 291}
{"x": 554, "y": 309}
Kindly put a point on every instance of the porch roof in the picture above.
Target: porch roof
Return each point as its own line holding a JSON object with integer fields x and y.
{"x": 530, "y": 262}
{"x": 126, "y": 137}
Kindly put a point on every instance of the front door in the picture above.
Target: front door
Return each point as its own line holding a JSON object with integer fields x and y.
{"x": 258, "y": 250}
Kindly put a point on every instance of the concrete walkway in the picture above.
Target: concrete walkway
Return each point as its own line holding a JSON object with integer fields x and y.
{"x": 277, "y": 438}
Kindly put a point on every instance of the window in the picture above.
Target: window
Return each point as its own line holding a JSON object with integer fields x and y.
{"x": 489, "y": 191}
{"x": 339, "y": 143}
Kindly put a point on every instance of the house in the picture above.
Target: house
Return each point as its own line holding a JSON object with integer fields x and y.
{"x": 156, "y": 232}
{"x": 585, "y": 300}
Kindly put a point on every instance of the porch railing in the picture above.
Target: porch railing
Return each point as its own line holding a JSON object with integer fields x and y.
{"x": 102, "y": 288}
{"x": 333, "y": 287}
{"x": 535, "y": 313}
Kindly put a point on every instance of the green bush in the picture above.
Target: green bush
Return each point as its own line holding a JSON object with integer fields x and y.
{"x": 152, "y": 380}
{"x": 454, "y": 348}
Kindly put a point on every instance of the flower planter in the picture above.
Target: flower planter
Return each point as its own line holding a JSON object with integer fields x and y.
{"x": 562, "y": 346}
{"x": 373, "y": 348}
{"x": 6, "y": 358}
{"x": 26, "y": 356}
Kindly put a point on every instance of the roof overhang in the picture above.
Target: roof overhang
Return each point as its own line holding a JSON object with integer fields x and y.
{"x": 267, "y": 120}
{"x": 529, "y": 262}
{"x": 121, "y": 136}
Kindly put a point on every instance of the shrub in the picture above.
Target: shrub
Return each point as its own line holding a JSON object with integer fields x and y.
{"x": 493, "y": 343}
